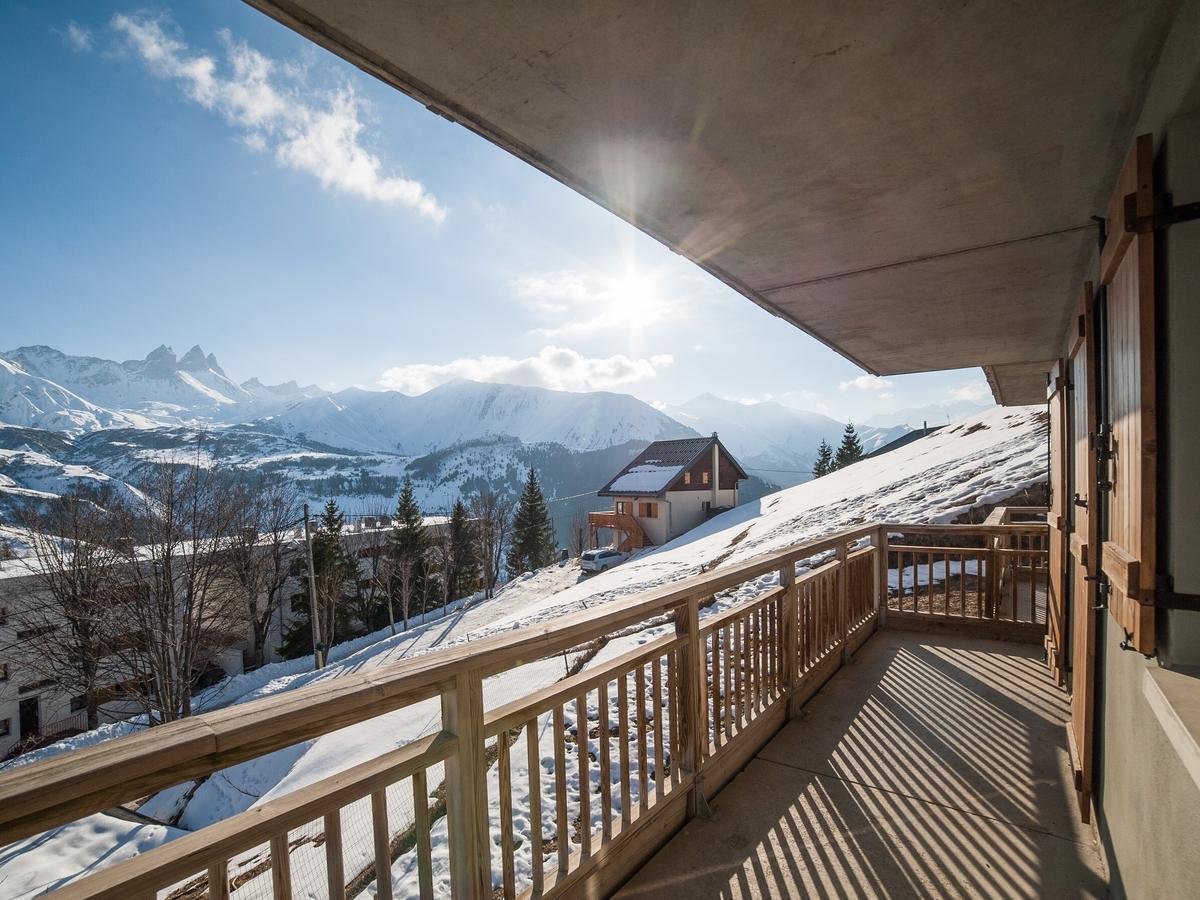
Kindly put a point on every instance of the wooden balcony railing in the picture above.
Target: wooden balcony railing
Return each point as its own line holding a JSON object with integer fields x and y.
{"x": 566, "y": 789}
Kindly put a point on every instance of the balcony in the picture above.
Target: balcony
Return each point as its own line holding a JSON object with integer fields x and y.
{"x": 871, "y": 757}
{"x": 628, "y": 533}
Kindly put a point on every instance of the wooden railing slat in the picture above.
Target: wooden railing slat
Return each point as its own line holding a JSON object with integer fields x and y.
{"x": 335, "y": 867}
{"x": 420, "y": 792}
{"x": 383, "y": 849}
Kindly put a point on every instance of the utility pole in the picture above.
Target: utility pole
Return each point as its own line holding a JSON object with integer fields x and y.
{"x": 318, "y": 646}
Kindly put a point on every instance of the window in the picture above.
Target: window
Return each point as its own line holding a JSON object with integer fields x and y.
{"x": 3, "y": 671}
{"x": 622, "y": 507}
{"x": 648, "y": 510}
{"x": 704, "y": 478}
{"x": 3, "y": 615}
{"x": 78, "y": 703}
{"x": 26, "y": 633}
{"x": 5, "y": 727}
{"x": 687, "y": 478}
{"x": 35, "y": 685}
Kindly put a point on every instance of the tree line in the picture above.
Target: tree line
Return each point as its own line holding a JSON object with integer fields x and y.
{"x": 137, "y": 595}
{"x": 848, "y": 452}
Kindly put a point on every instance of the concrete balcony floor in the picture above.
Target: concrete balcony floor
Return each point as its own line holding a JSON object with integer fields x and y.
{"x": 929, "y": 766}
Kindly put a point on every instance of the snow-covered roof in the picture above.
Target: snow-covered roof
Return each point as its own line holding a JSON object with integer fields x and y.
{"x": 649, "y": 478}
{"x": 657, "y": 467}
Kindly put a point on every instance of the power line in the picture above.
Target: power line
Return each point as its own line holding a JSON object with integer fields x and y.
{"x": 788, "y": 471}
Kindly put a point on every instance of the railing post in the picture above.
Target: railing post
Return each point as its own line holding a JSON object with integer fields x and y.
{"x": 694, "y": 666}
{"x": 992, "y": 604}
{"x": 791, "y": 634}
{"x": 881, "y": 577}
{"x": 466, "y": 789}
{"x": 843, "y": 617}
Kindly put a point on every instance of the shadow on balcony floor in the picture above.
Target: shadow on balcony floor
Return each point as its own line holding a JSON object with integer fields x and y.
{"x": 930, "y": 766}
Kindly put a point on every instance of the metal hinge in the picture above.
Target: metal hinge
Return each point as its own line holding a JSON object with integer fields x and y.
{"x": 1166, "y": 213}
{"x": 1166, "y": 597}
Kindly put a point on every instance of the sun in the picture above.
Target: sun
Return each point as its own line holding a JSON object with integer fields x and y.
{"x": 635, "y": 297}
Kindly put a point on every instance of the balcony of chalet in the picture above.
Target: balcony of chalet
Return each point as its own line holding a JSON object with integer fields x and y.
{"x": 878, "y": 721}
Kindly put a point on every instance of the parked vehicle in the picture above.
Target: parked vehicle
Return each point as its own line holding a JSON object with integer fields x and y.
{"x": 602, "y": 559}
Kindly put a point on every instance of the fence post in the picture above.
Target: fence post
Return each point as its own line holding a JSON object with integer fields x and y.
{"x": 466, "y": 790}
{"x": 843, "y": 617}
{"x": 694, "y": 666}
{"x": 881, "y": 577}
{"x": 993, "y": 580}
{"x": 791, "y": 634}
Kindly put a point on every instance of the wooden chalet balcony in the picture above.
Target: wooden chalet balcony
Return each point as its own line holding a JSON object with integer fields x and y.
{"x": 934, "y": 755}
{"x": 628, "y": 533}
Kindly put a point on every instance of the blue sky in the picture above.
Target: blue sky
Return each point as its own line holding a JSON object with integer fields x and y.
{"x": 196, "y": 173}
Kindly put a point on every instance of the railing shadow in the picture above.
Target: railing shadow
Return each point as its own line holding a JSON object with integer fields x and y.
{"x": 927, "y": 768}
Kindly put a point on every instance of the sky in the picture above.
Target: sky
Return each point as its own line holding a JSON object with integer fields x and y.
{"x": 195, "y": 173}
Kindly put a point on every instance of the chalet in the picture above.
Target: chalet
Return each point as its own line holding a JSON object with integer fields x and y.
{"x": 668, "y": 489}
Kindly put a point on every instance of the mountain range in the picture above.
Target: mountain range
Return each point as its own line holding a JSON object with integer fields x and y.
{"x": 68, "y": 418}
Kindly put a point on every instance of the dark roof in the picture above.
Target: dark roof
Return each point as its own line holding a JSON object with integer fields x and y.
{"x": 653, "y": 471}
{"x": 904, "y": 440}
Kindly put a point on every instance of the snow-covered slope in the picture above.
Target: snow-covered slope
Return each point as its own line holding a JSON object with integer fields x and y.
{"x": 463, "y": 410}
{"x": 933, "y": 414}
{"x": 31, "y": 400}
{"x": 937, "y": 478}
{"x": 770, "y": 438}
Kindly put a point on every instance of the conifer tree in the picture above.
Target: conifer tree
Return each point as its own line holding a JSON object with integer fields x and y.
{"x": 408, "y": 550}
{"x": 824, "y": 462}
{"x": 336, "y": 569}
{"x": 464, "y": 559}
{"x": 850, "y": 451}
{"x": 533, "y": 532}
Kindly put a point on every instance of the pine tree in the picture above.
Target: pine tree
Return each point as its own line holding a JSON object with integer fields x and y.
{"x": 533, "y": 532}
{"x": 464, "y": 558}
{"x": 408, "y": 551}
{"x": 824, "y": 463}
{"x": 850, "y": 451}
{"x": 336, "y": 570}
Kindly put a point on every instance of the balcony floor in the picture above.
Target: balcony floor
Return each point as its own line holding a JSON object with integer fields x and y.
{"x": 929, "y": 766}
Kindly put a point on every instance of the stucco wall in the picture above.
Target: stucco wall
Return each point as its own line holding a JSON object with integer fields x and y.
{"x": 1147, "y": 803}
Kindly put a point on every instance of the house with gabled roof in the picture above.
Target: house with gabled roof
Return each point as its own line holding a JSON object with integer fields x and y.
{"x": 667, "y": 489}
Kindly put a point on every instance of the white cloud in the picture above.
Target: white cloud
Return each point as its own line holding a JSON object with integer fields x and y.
{"x": 318, "y": 132}
{"x": 887, "y": 395}
{"x": 558, "y": 368}
{"x": 77, "y": 37}
{"x": 866, "y": 383}
{"x": 975, "y": 392}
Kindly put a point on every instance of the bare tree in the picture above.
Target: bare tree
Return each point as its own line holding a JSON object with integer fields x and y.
{"x": 442, "y": 550}
{"x": 180, "y": 608}
{"x": 261, "y": 551}
{"x": 579, "y": 533}
{"x": 374, "y": 552}
{"x": 492, "y": 513}
{"x": 62, "y": 626}
{"x": 403, "y": 566}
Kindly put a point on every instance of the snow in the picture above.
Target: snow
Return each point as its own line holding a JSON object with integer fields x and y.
{"x": 934, "y": 479}
{"x": 649, "y": 477}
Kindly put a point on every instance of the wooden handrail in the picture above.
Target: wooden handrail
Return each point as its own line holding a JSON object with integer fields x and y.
{"x": 194, "y": 852}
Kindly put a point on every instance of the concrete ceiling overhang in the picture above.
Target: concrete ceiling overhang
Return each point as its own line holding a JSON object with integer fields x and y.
{"x": 910, "y": 183}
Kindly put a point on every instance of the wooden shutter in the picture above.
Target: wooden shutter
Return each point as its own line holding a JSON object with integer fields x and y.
{"x": 1127, "y": 271}
{"x": 1056, "y": 606}
{"x": 1080, "y": 499}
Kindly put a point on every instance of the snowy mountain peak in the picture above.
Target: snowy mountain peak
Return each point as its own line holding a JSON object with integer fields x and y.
{"x": 194, "y": 360}
{"x": 160, "y": 363}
